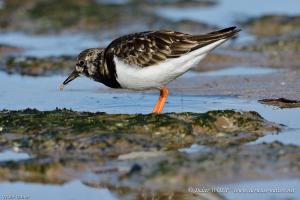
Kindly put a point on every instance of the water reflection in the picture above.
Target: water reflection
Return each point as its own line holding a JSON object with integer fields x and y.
{"x": 9, "y": 155}
{"x": 74, "y": 190}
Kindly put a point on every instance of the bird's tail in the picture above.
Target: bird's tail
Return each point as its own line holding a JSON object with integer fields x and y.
{"x": 217, "y": 35}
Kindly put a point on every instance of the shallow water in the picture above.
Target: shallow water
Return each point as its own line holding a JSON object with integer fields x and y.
{"x": 50, "y": 45}
{"x": 194, "y": 149}
{"x": 227, "y": 12}
{"x": 42, "y": 93}
{"x": 287, "y": 189}
{"x": 290, "y": 136}
{"x": 74, "y": 190}
{"x": 85, "y": 95}
{"x": 9, "y": 155}
{"x": 113, "y": 2}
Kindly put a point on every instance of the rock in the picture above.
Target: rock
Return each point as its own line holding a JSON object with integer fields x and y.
{"x": 277, "y": 25}
{"x": 50, "y": 132}
{"x": 39, "y": 66}
{"x": 36, "y": 16}
{"x": 281, "y": 102}
{"x": 277, "y": 46}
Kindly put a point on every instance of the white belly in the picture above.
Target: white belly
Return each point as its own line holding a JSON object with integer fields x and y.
{"x": 156, "y": 76}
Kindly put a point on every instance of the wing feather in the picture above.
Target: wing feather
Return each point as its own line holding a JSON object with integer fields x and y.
{"x": 152, "y": 47}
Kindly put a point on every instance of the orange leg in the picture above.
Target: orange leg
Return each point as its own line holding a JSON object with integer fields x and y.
{"x": 164, "y": 92}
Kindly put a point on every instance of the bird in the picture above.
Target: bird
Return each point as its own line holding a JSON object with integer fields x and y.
{"x": 147, "y": 60}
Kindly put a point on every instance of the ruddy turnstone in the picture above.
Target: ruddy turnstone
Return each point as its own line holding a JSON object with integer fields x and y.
{"x": 147, "y": 60}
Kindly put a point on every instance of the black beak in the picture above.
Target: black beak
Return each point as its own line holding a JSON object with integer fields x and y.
{"x": 72, "y": 76}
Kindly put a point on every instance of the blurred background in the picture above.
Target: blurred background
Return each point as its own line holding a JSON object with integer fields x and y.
{"x": 40, "y": 40}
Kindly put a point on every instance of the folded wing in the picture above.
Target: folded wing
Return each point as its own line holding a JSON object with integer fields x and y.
{"x": 152, "y": 47}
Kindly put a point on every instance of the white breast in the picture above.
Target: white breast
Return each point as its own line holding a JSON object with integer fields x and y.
{"x": 156, "y": 76}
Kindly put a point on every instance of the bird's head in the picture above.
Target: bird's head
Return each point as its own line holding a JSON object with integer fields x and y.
{"x": 88, "y": 63}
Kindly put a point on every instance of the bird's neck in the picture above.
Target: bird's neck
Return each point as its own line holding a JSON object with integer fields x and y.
{"x": 107, "y": 72}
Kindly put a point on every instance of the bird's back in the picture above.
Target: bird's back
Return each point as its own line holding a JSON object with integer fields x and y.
{"x": 152, "y": 47}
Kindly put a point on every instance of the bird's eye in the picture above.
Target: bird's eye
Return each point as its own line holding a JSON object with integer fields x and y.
{"x": 81, "y": 62}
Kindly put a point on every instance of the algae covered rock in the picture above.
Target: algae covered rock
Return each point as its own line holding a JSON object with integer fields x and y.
{"x": 285, "y": 45}
{"x": 37, "y": 16}
{"x": 99, "y": 134}
{"x": 134, "y": 154}
{"x": 276, "y": 25}
{"x": 8, "y": 50}
{"x": 281, "y": 102}
{"x": 42, "y": 16}
{"x": 281, "y": 34}
{"x": 33, "y": 66}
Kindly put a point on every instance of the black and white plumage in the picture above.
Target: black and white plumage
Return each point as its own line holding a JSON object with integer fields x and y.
{"x": 147, "y": 60}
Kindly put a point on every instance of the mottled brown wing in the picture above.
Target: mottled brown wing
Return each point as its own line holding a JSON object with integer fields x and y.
{"x": 152, "y": 47}
{"x": 149, "y": 48}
